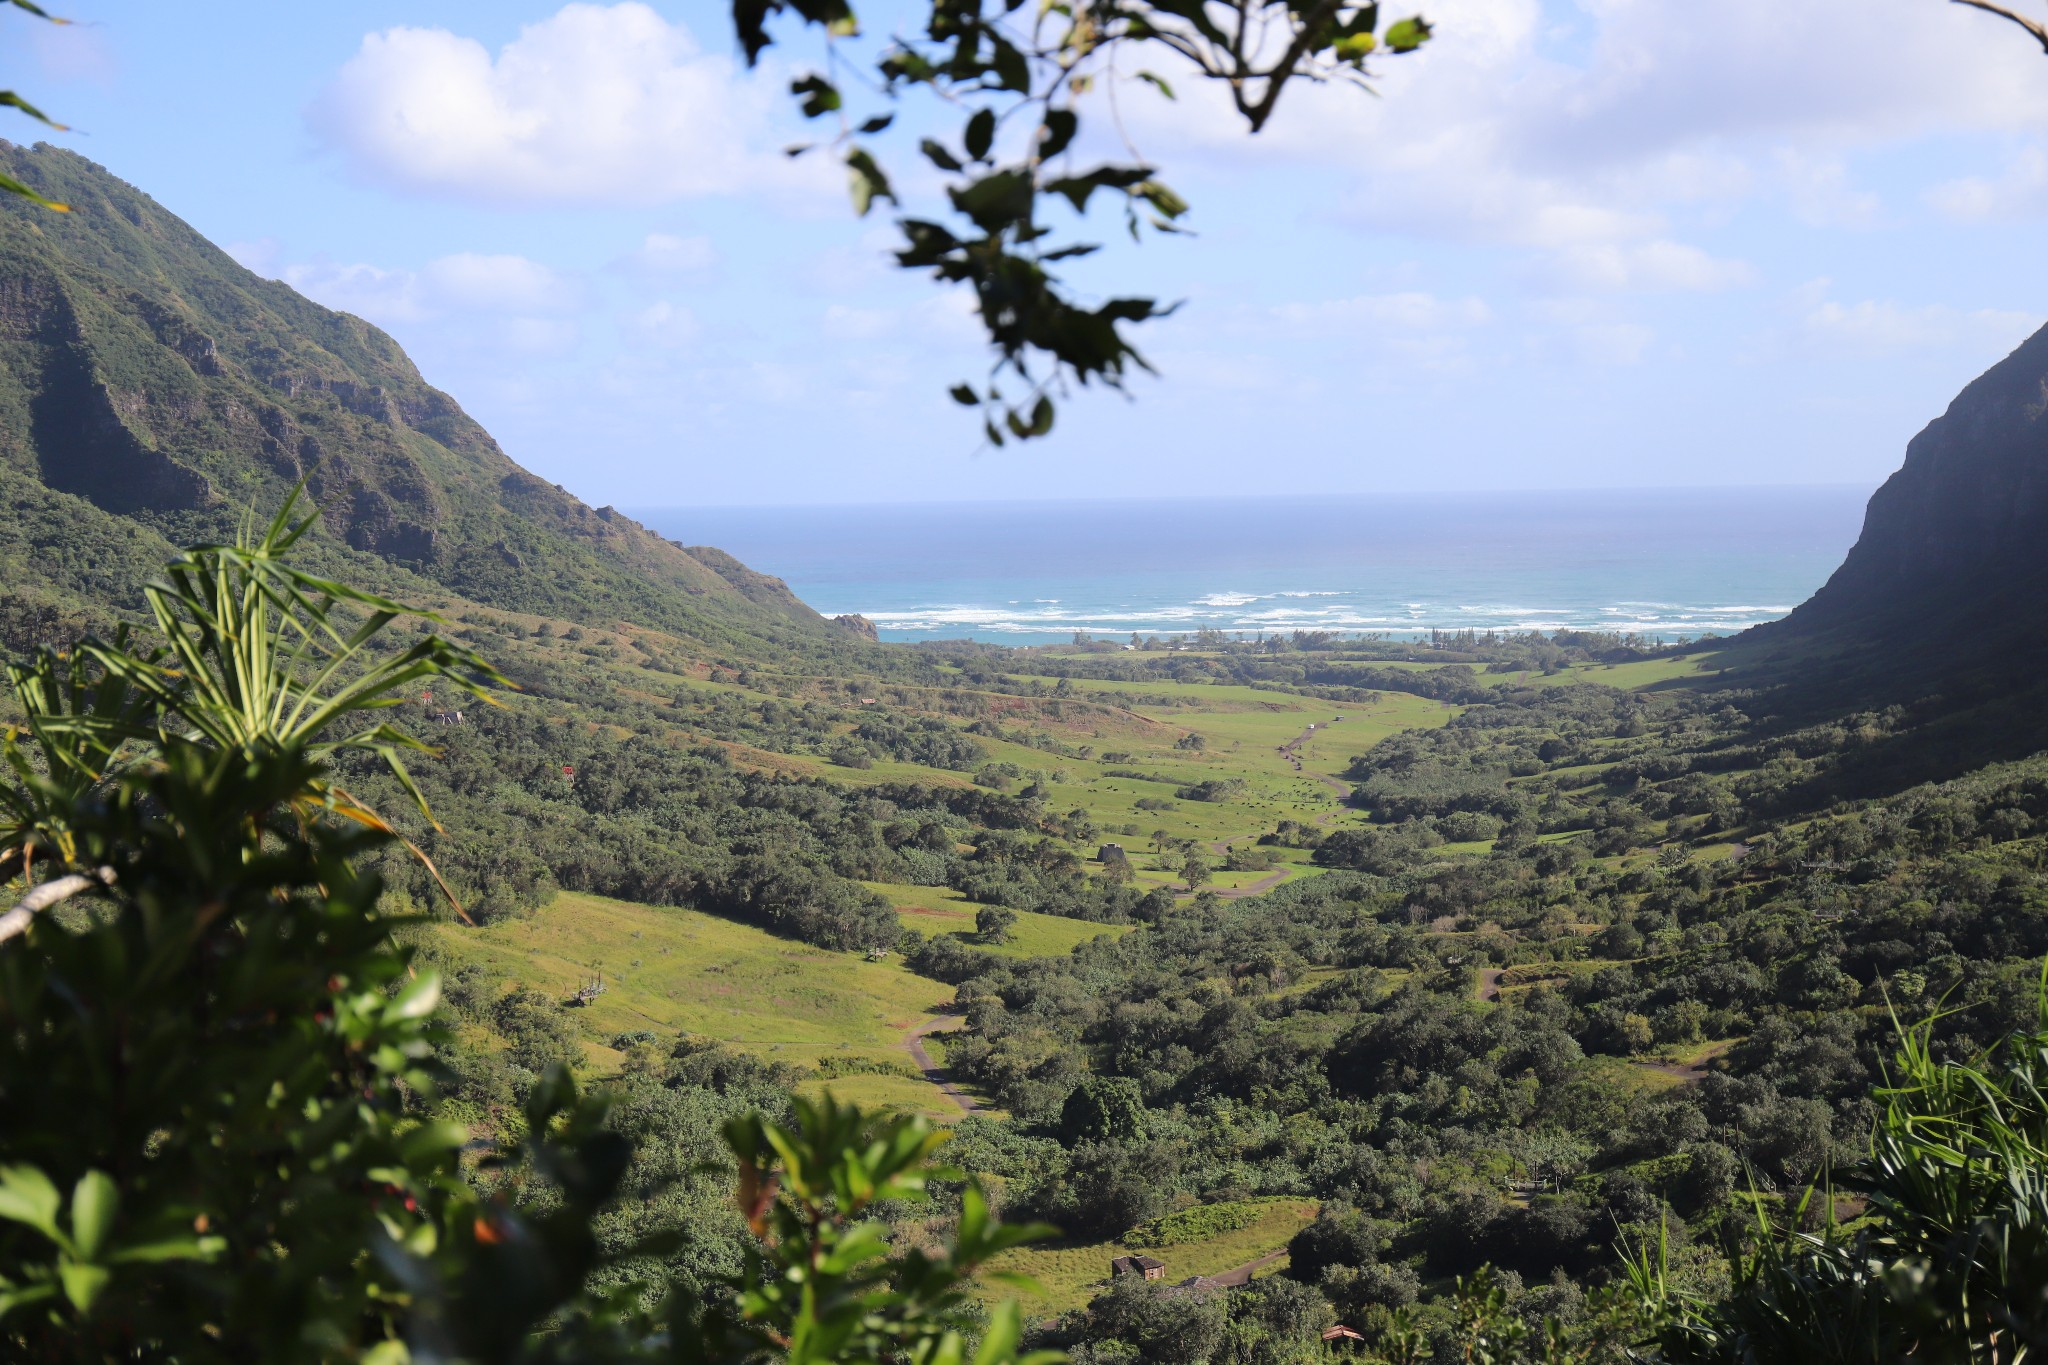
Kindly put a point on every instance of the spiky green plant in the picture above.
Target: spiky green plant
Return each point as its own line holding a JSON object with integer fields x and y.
{"x": 259, "y": 660}
{"x": 1952, "y": 1264}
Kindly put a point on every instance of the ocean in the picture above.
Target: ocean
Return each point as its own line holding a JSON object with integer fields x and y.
{"x": 1663, "y": 563}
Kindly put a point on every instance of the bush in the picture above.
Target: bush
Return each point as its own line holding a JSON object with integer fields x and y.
{"x": 1197, "y": 1224}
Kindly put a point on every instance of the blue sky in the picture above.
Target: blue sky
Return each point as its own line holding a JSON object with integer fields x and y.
{"x": 1584, "y": 243}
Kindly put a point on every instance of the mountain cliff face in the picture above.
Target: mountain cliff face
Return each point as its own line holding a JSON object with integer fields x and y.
{"x": 1938, "y": 609}
{"x": 152, "y": 390}
{"x": 1956, "y": 542}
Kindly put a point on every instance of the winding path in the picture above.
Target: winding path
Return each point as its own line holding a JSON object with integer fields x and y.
{"x": 913, "y": 1043}
{"x": 1257, "y": 888}
{"x": 1242, "y": 1274}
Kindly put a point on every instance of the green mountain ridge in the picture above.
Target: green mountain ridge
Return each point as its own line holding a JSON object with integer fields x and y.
{"x": 152, "y": 390}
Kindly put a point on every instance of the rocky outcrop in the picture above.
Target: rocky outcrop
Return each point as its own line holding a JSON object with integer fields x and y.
{"x": 1957, "y": 540}
{"x": 1939, "y": 608}
{"x": 859, "y": 625}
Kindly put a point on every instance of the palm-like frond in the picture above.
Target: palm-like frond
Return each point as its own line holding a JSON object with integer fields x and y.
{"x": 260, "y": 658}
{"x": 85, "y": 723}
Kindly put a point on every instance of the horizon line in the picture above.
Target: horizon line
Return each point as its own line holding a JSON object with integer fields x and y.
{"x": 638, "y": 509}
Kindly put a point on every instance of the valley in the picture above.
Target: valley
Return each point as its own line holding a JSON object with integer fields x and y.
{"x": 1364, "y": 970}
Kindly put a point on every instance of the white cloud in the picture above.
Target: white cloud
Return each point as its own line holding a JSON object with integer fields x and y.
{"x": 1611, "y": 343}
{"x": 1884, "y": 325}
{"x": 1606, "y": 133}
{"x": 942, "y": 320}
{"x": 505, "y": 284}
{"x": 2022, "y": 192}
{"x": 844, "y": 323}
{"x": 1820, "y": 193}
{"x": 664, "y": 254}
{"x": 465, "y": 284}
{"x": 1654, "y": 266}
{"x": 538, "y": 336}
{"x": 1410, "y": 311}
{"x": 666, "y": 324}
{"x": 604, "y": 103}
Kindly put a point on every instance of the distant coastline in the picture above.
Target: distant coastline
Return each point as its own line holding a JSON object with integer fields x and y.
{"x": 1661, "y": 563}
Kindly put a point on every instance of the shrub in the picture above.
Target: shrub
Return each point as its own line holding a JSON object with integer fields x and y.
{"x": 1197, "y": 1224}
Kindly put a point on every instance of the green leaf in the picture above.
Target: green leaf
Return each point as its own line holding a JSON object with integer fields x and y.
{"x": 83, "y": 1283}
{"x": 1057, "y": 131}
{"x": 21, "y": 1296}
{"x": 1041, "y": 417}
{"x": 996, "y": 201}
{"x": 94, "y": 1201}
{"x": 9, "y": 185}
{"x": 1161, "y": 198}
{"x": 820, "y": 96}
{"x": 11, "y": 100}
{"x": 999, "y": 1340}
{"x": 877, "y": 123}
{"x": 1356, "y": 45}
{"x": 981, "y": 133}
{"x": 1408, "y": 34}
{"x": 27, "y": 1196}
{"x": 1077, "y": 189}
{"x": 964, "y": 396}
{"x": 937, "y": 154}
{"x": 866, "y": 181}
{"x": 417, "y": 1000}
{"x": 183, "y": 1247}
{"x": 432, "y": 1139}
{"x": 1157, "y": 82}
{"x": 1012, "y": 68}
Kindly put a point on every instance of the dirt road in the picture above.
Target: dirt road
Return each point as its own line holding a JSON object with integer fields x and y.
{"x": 913, "y": 1043}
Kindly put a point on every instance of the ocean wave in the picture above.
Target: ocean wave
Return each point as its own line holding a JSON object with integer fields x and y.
{"x": 1344, "y": 611}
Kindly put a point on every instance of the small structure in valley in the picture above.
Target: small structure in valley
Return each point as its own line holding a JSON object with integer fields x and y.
{"x": 588, "y": 991}
{"x": 1342, "y": 1333}
{"x": 1146, "y": 1266}
{"x": 1111, "y": 853}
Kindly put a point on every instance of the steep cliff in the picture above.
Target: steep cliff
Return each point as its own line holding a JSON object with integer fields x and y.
{"x": 1940, "y": 605}
{"x": 1956, "y": 542}
{"x": 152, "y": 390}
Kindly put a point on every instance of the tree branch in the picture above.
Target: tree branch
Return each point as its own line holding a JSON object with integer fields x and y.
{"x": 16, "y": 921}
{"x": 2033, "y": 26}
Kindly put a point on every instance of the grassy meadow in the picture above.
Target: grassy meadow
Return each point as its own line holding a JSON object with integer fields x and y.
{"x": 1071, "y": 1273}
{"x": 668, "y": 969}
{"x": 933, "y": 910}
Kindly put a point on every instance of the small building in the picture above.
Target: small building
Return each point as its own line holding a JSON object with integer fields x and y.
{"x": 1341, "y": 1333}
{"x": 1146, "y": 1266}
{"x": 1201, "y": 1284}
{"x": 1112, "y": 853}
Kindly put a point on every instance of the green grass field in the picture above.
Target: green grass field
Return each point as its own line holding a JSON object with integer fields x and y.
{"x": 1071, "y": 1273}
{"x": 668, "y": 969}
{"x": 935, "y": 910}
